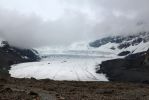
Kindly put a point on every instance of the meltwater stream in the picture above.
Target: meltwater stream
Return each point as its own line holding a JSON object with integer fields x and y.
{"x": 67, "y": 65}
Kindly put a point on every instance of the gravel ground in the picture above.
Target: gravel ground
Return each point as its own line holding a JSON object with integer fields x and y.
{"x": 32, "y": 89}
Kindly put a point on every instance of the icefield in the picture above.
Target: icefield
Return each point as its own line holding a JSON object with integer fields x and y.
{"x": 60, "y": 68}
{"x": 77, "y": 62}
{"x": 64, "y": 64}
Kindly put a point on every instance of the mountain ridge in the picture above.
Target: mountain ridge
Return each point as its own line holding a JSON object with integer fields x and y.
{"x": 10, "y": 55}
{"x": 131, "y": 43}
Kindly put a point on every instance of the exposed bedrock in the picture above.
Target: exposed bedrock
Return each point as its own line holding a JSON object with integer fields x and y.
{"x": 11, "y": 55}
{"x": 133, "y": 68}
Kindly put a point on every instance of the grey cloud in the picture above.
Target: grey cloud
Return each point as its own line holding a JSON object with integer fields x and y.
{"x": 32, "y": 31}
{"x": 81, "y": 20}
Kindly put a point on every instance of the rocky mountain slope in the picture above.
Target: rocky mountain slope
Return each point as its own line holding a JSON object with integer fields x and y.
{"x": 134, "y": 67}
{"x": 11, "y": 55}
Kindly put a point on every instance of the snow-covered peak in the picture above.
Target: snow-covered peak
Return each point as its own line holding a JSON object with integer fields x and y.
{"x": 133, "y": 43}
{"x": 109, "y": 45}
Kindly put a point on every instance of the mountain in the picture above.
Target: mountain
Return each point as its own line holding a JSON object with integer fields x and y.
{"x": 134, "y": 65}
{"x": 12, "y": 55}
{"x": 123, "y": 45}
{"x": 81, "y": 59}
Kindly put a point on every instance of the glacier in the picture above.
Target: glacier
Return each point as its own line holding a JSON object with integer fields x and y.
{"x": 64, "y": 64}
{"x": 76, "y": 62}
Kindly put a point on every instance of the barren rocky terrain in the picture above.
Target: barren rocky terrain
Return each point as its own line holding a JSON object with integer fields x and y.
{"x": 32, "y": 89}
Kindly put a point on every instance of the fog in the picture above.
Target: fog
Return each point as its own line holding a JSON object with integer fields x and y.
{"x": 35, "y": 23}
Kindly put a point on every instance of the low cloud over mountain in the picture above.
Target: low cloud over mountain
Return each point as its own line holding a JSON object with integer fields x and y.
{"x": 34, "y": 23}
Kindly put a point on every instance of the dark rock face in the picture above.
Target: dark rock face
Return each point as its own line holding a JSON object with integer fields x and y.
{"x": 124, "y": 53}
{"x": 12, "y": 55}
{"x": 130, "y": 69}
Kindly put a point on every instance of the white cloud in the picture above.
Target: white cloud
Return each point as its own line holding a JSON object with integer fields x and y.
{"x": 31, "y": 23}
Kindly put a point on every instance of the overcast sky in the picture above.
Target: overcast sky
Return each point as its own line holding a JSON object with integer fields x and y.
{"x": 33, "y": 23}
